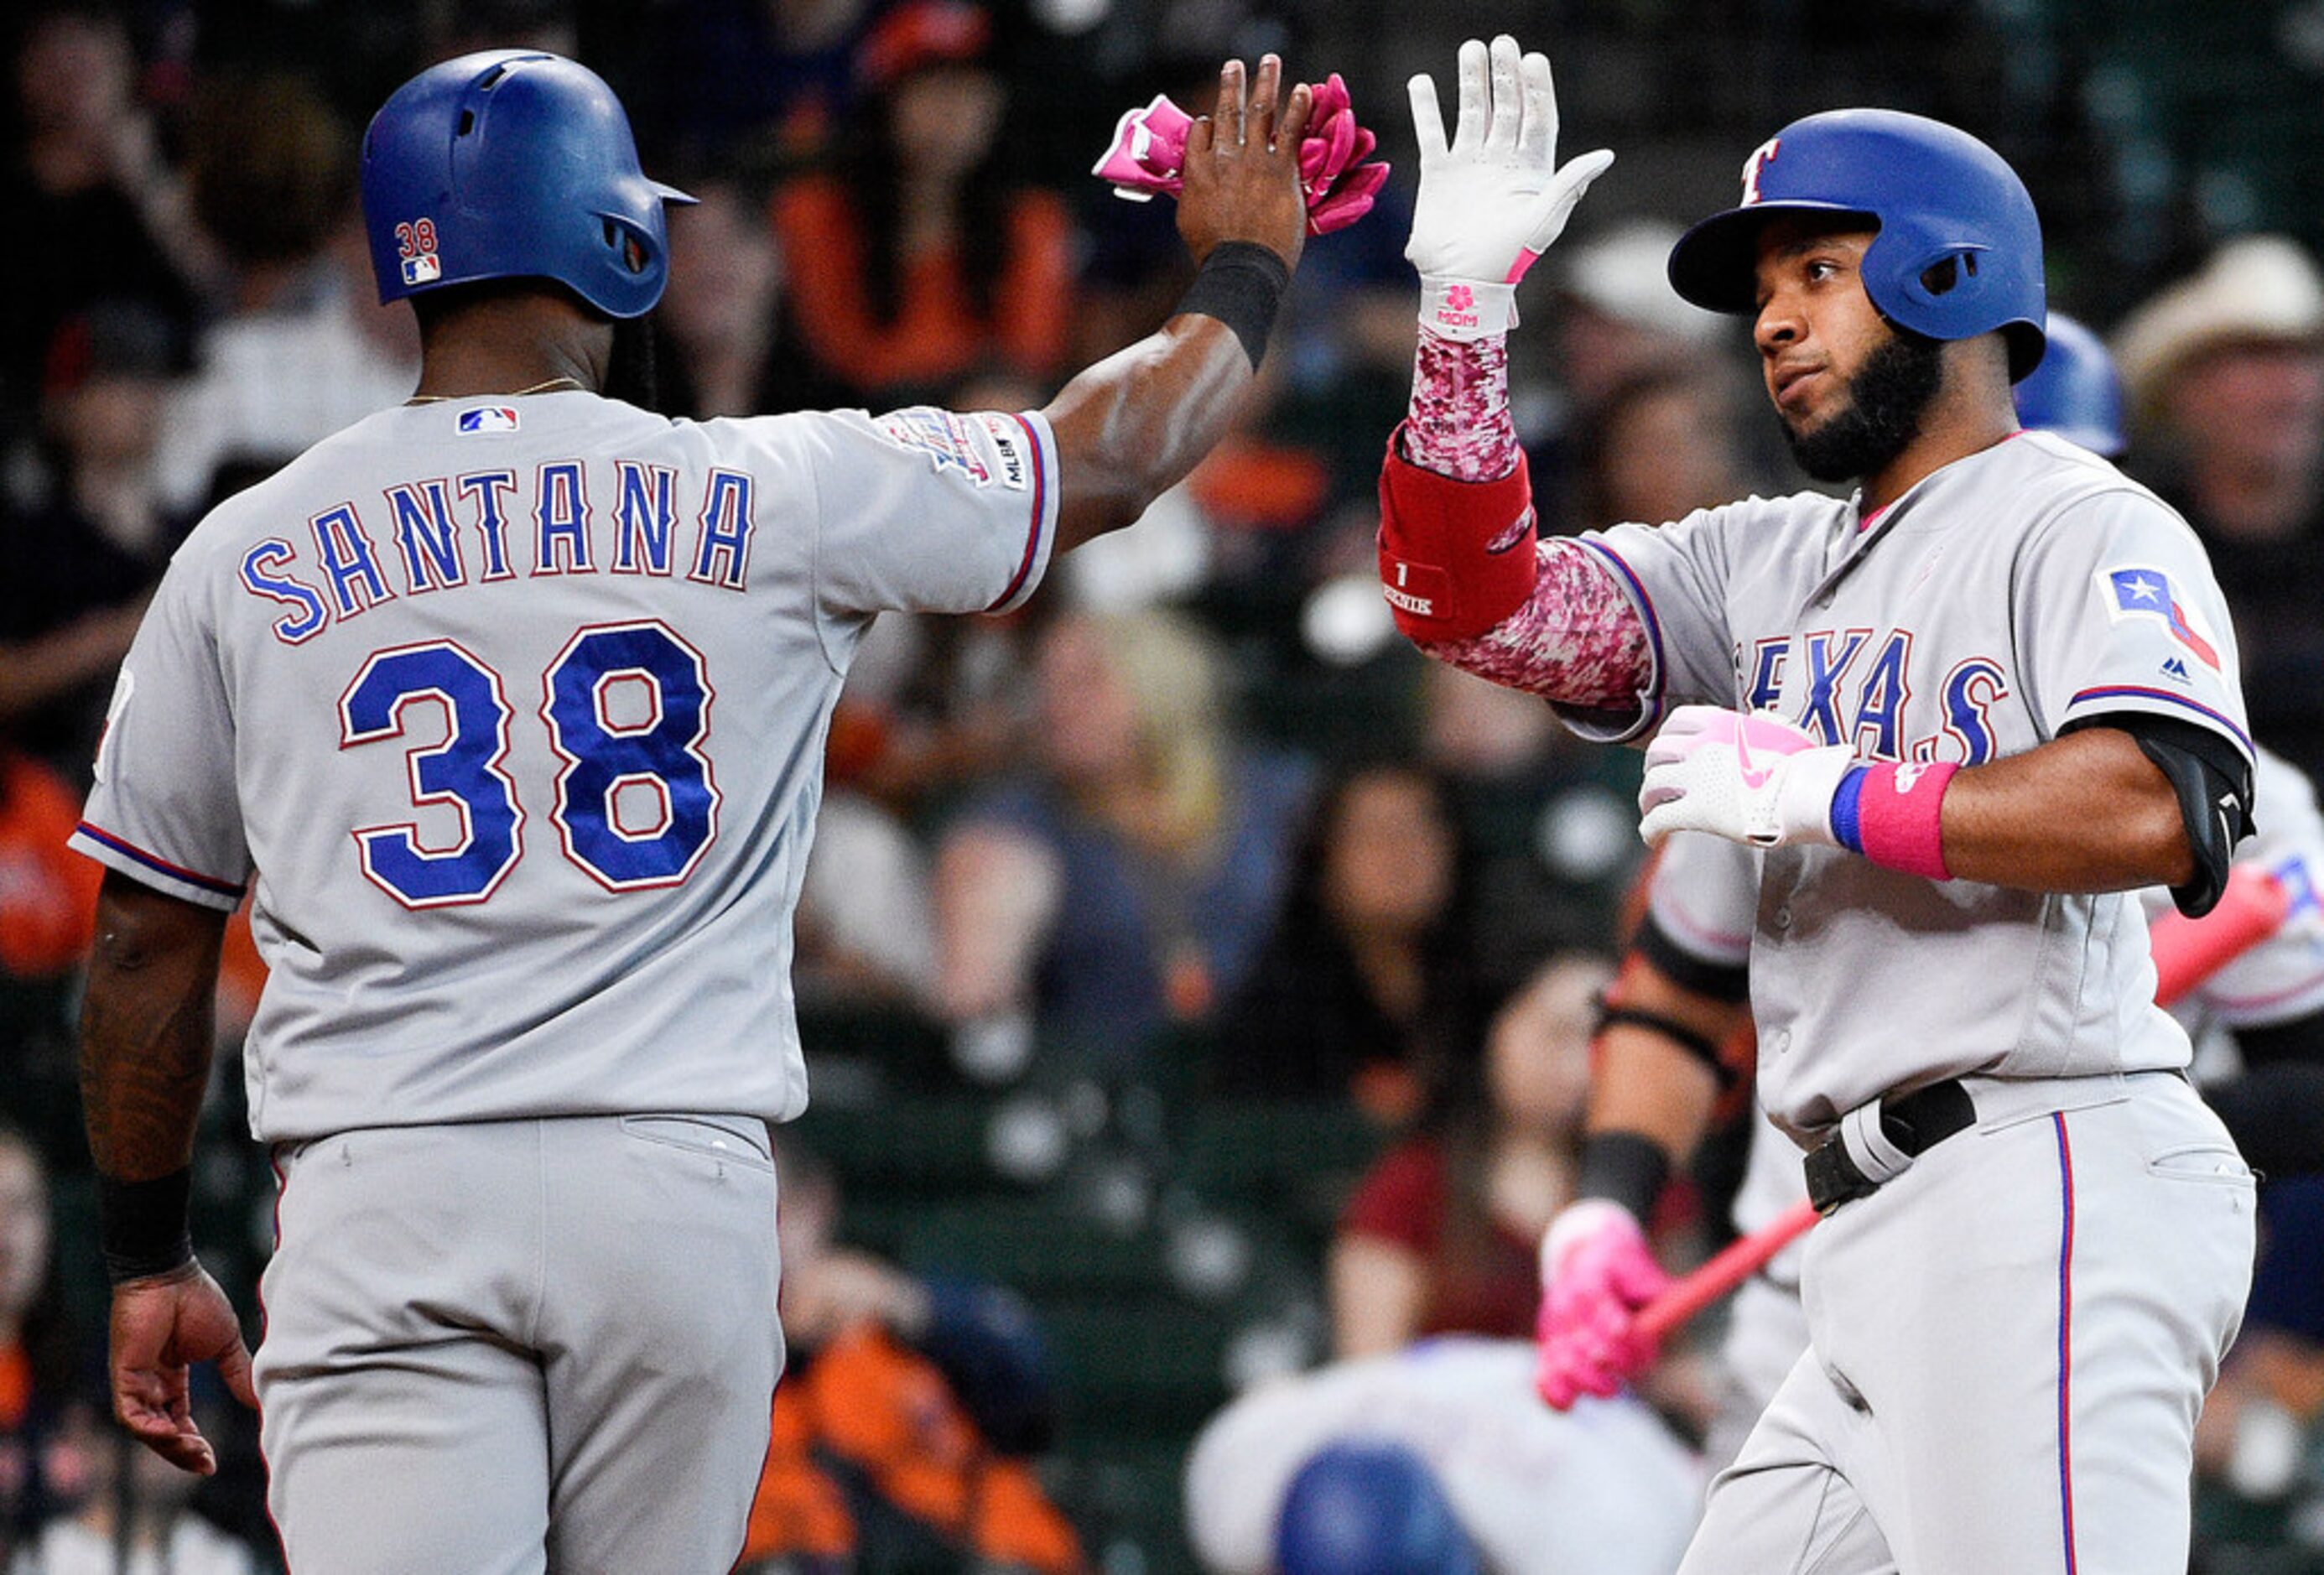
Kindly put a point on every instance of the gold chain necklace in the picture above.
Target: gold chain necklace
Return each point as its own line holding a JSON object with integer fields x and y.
{"x": 554, "y": 383}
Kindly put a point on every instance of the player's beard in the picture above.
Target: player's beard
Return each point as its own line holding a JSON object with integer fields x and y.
{"x": 1886, "y": 399}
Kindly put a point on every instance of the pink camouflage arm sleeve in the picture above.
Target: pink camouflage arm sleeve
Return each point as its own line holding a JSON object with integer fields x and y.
{"x": 1560, "y": 626}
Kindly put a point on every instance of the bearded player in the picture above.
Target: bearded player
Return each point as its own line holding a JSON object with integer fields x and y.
{"x": 1965, "y": 711}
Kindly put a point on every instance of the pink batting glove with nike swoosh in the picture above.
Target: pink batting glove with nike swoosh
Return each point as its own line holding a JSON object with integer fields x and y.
{"x": 1747, "y": 776}
{"x": 1596, "y": 1273}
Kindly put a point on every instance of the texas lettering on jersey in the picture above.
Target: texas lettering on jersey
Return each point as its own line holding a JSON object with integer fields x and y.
{"x": 1859, "y": 685}
{"x": 489, "y": 525}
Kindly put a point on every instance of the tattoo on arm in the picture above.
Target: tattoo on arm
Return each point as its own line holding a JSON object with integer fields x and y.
{"x": 146, "y": 1030}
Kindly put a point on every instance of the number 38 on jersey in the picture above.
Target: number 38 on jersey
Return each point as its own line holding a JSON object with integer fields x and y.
{"x": 626, "y": 707}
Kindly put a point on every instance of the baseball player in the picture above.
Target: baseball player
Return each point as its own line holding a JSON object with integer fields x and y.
{"x": 1685, "y": 982}
{"x": 507, "y": 706}
{"x": 1964, "y": 711}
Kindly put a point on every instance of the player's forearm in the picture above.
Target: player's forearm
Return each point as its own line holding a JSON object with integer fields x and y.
{"x": 1653, "y": 1072}
{"x": 1459, "y": 424}
{"x": 1576, "y": 640}
{"x": 1133, "y": 426}
{"x": 1564, "y": 630}
{"x": 146, "y": 1029}
{"x": 2088, "y": 812}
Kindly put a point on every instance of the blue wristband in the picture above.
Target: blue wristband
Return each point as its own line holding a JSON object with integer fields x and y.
{"x": 1845, "y": 808}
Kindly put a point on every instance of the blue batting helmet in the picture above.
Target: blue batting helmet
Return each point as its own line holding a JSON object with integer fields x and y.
{"x": 1958, "y": 252}
{"x": 2075, "y": 393}
{"x": 514, "y": 164}
{"x": 1368, "y": 1508}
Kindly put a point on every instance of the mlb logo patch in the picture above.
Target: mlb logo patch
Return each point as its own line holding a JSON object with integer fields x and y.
{"x": 2139, "y": 591}
{"x": 942, "y": 436}
{"x": 487, "y": 419}
{"x": 423, "y": 269}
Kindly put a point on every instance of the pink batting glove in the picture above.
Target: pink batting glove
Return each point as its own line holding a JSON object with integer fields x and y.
{"x": 1149, "y": 154}
{"x": 1596, "y": 1273}
{"x": 1340, "y": 187}
{"x": 1350, "y": 201}
{"x": 1149, "y": 151}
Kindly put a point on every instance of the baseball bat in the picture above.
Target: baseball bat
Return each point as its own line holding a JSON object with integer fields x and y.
{"x": 2187, "y": 952}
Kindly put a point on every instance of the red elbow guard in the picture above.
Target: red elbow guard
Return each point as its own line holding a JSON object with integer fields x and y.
{"x": 1455, "y": 557}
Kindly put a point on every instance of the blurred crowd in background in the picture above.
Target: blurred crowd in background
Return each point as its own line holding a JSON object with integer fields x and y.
{"x": 1196, "y": 982}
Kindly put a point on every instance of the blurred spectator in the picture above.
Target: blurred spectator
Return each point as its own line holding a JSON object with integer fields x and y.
{"x": 2225, "y": 375}
{"x": 1620, "y": 319}
{"x": 904, "y": 1415}
{"x": 1555, "y": 823}
{"x": 761, "y": 80}
{"x": 1130, "y": 883}
{"x": 36, "y": 1348}
{"x": 862, "y": 931}
{"x": 48, "y": 895}
{"x": 1442, "y": 1236}
{"x": 303, "y": 350}
{"x": 129, "y": 1512}
{"x": 917, "y": 261}
{"x": 1449, "y": 1425}
{"x": 1367, "y": 987}
{"x": 718, "y": 315}
{"x": 1660, "y": 444}
{"x": 99, "y": 216}
{"x": 86, "y": 532}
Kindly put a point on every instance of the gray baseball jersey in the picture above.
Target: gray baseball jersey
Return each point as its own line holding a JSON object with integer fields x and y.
{"x": 514, "y": 710}
{"x": 2007, "y": 596}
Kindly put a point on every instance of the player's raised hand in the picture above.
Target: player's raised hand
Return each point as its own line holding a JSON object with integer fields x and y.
{"x": 160, "y": 1328}
{"x": 1242, "y": 165}
{"x": 1493, "y": 199}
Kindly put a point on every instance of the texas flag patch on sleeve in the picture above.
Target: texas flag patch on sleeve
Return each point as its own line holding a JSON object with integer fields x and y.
{"x": 2140, "y": 591}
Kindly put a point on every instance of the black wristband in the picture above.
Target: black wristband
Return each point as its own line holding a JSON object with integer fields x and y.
{"x": 1629, "y": 1168}
{"x": 143, "y": 1225}
{"x": 1242, "y": 284}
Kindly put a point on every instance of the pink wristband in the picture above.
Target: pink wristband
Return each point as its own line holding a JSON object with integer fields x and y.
{"x": 1894, "y": 814}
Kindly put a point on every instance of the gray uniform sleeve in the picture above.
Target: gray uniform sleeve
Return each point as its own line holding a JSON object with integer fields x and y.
{"x": 2116, "y": 610}
{"x": 1704, "y": 896}
{"x": 164, "y": 810}
{"x": 930, "y": 511}
{"x": 1676, "y": 576}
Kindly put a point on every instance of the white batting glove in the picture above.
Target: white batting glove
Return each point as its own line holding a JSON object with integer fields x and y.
{"x": 1747, "y": 776}
{"x": 1491, "y": 203}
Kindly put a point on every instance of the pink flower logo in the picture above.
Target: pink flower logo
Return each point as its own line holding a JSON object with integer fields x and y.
{"x": 1460, "y": 297}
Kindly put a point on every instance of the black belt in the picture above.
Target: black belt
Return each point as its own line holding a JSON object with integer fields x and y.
{"x": 1915, "y": 1123}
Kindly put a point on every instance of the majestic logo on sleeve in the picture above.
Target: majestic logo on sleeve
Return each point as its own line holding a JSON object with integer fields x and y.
{"x": 2139, "y": 591}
